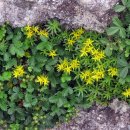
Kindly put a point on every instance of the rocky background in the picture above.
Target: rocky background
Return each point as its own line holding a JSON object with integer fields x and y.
{"x": 116, "y": 116}
{"x": 90, "y": 14}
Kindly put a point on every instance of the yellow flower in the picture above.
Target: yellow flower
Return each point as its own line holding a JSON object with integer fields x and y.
{"x": 67, "y": 69}
{"x": 98, "y": 55}
{"x": 36, "y": 29}
{"x": 29, "y": 34}
{"x": 43, "y": 33}
{"x": 18, "y": 71}
{"x": 84, "y": 75}
{"x": 89, "y": 81}
{"x": 75, "y": 64}
{"x": 80, "y": 31}
{"x": 43, "y": 80}
{"x": 28, "y": 28}
{"x": 127, "y": 93}
{"x": 113, "y": 71}
{"x": 64, "y": 64}
{"x": 88, "y": 42}
{"x": 70, "y": 42}
{"x": 60, "y": 67}
{"x": 85, "y": 50}
{"x": 52, "y": 53}
{"x": 75, "y": 35}
{"x": 98, "y": 74}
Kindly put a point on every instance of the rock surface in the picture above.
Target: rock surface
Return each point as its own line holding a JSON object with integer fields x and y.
{"x": 90, "y": 14}
{"x": 100, "y": 118}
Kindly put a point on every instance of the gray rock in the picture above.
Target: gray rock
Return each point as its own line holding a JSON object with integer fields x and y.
{"x": 97, "y": 118}
{"x": 119, "y": 106}
{"x": 90, "y": 14}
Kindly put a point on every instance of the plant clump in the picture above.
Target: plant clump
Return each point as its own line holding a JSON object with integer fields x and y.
{"x": 49, "y": 71}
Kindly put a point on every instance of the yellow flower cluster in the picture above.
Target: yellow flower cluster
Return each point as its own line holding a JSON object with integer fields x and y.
{"x": 127, "y": 93}
{"x": 34, "y": 30}
{"x": 68, "y": 66}
{"x": 43, "y": 80}
{"x": 52, "y": 53}
{"x": 89, "y": 76}
{"x": 113, "y": 71}
{"x": 88, "y": 48}
{"x": 18, "y": 71}
{"x": 75, "y": 35}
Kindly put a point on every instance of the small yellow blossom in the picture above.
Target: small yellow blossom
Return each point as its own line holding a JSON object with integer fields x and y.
{"x": 113, "y": 71}
{"x": 43, "y": 80}
{"x": 29, "y": 34}
{"x": 36, "y": 29}
{"x": 52, "y": 53}
{"x": 70, "y": 42}
{"x": 60, "y": 67}
{"x": 98, "y": 55}
{"x": 43, "y": 33}
{"x": 28, "y": 28}
{"x": 75, "y": 35}
{"x": 85, "y": 50}
{"x": 67, "y": 69}
{"x": 74, "y": 64}
{"x": 127, "y": 93}
{"x": 65, "y": 62}
{"x": 98, "y": 74}
{"x": 89, "y": 81}
{"x": 88, "y": 42}
{"x": 80, "y": 31}
{"x": 85, "y": 74}
{"x": 18, "y": 71}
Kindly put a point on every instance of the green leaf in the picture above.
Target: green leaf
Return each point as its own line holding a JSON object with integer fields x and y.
{"x": 124, "y": 72}
{"x": 34, "y": 101}
{"x": 119, "y": 8}
{"x": 112, "y": 30}
{"x": 108, "y": 51}
{"x": 6, "y": 56}
{"x": 124, "y": 2}
{"x": 122, "y": 62}
{"x": 27, "y": 104}
{"x": 117, "y": 22}
{"x": 23, "y": 85}
{"x": 67, "y": 91}
{"x": 3, "y": 105}
{"x": 10, "y": 63}
{"x": 127, "y": 41}
{"x": 44, "y": 45}
{"x": 6, "y": 76}
{"x": 58, "y": 99}
{"x": 122, "y": 33}
{"x": 65, "y": 78}
{"x": 128, "y": 78}
{"x": 122, "y": 81}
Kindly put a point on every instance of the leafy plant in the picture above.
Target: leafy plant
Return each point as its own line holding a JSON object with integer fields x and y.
{"x": 47, "y": 72}
{"x": 120, "y": 39}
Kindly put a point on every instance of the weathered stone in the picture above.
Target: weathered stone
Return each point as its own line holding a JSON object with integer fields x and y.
{"x": 98, "y": 118}
{"x": 90, "y": 14}
{"x": 119, "y": 106}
